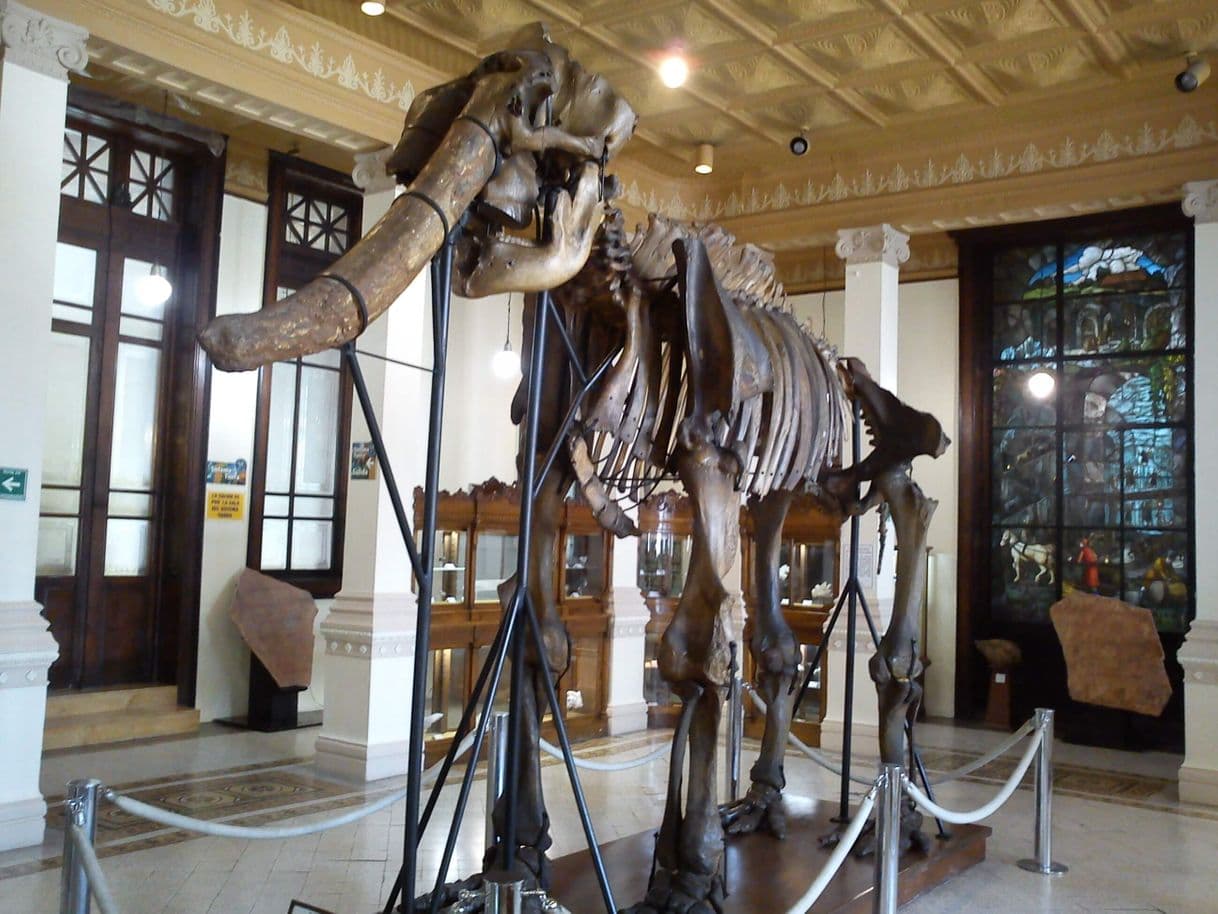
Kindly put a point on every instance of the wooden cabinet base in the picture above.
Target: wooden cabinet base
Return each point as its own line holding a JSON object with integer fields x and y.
{"x": 764, "y": 874}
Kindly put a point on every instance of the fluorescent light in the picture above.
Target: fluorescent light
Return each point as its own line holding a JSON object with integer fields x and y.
{"x": 1041, "y": 385}
{"x": 674, "y": 71}
{"x": 372, "y": 7}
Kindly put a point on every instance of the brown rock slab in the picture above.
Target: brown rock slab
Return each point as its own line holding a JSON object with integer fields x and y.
{"x": 1113, "y": 654}
{"x": 276, "y": 621}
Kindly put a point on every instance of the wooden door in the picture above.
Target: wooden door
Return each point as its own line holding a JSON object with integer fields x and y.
{"x": 120, "y": 451}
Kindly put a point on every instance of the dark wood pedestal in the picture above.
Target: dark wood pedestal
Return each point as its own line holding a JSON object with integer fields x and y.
{"x": 764, "y": 874}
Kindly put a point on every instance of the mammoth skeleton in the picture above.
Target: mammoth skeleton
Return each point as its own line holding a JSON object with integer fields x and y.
{"x": 705, "y": 375}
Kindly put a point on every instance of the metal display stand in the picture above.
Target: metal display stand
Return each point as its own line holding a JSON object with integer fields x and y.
{"x": 519, "y": 620}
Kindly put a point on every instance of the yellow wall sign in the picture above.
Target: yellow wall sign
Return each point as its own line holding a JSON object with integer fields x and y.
{"x": 225, "y": 505}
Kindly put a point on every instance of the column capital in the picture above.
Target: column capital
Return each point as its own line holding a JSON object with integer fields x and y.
{"x": 873, "y": 244}
{"x": 41, "y": 43}
{"x": 370, "y": 174}
{"x": 1201, "y": 200}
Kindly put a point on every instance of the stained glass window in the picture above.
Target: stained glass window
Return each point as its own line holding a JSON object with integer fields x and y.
{"x": 1091, "y": 435}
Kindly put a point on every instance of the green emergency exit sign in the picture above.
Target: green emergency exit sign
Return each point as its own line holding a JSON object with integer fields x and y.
{"x": 12, "y": 483}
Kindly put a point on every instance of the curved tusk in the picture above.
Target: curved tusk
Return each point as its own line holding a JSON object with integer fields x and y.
{"x": 325, "y": 314}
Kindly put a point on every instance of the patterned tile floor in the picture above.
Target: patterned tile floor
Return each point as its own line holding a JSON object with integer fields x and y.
{"x": 1131, "y": 845}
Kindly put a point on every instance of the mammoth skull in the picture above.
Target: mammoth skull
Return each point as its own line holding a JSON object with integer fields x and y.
{"x": 526, "y": 123}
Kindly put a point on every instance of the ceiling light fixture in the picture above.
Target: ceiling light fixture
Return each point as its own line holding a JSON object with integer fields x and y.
{"x": 674, "y": 70}
{"x": 1195, "y": 72}
{"x": 799, "y": 144}
{"x": 1041, "y": 384}
{"x": 704, "y": 164}
{"x": 154, "y": 289}
{"x": 372, "y": 7}
{"x": 505, "y": 364}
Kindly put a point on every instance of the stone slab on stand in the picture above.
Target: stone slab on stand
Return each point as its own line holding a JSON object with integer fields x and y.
{"x": 764, "y": 874}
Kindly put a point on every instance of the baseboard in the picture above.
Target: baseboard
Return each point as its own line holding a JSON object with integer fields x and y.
{"x": 624, "y": 719}
{"x": 360, "y": 761}
{"x": 22, "y": 823}
{"x": 1198, "y": 785}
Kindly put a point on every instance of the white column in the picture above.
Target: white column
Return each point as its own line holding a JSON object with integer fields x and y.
{"x": 36, "y": 53}
{"x": 626, "y": 708}
{"x": 873, "y": 255}
{"x": 369, "y": 631}
{"x": 1199, "y": 654}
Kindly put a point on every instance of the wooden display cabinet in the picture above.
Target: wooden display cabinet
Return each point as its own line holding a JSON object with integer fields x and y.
{"x": 810, "y": 555}
{"x": 476, "y": 542}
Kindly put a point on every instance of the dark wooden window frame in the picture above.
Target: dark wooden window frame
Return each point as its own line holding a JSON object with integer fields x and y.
{"x": 977, "y": 248}
{"x": 176, "y": 547}
{"x": 292, "y": 265}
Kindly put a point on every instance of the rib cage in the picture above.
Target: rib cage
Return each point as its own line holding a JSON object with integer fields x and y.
{"x": 782, "y": 438}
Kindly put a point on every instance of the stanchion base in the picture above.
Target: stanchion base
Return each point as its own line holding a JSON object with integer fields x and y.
{"x": 1033, "y": 866}
{"x": 765, "y": 874}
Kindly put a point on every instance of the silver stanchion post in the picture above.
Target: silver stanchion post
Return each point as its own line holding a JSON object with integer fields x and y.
{"x": 81, "y": 810}
{"x": 1043, "y": 863}
{"x": 887, "y": 840}
{"x": 496, "y": 771}
{"x": 735, "y": 729}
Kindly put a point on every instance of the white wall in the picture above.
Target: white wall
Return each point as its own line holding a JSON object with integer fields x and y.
{"x": 479, "y": 437}
{"x": 223, "y": 670}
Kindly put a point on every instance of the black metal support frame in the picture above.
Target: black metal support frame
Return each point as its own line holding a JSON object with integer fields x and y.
{"x": 511, "y": 634}
{"x": 852, "y": 596}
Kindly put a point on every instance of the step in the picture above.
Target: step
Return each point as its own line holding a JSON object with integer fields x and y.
{"x": 75, "y": 730}
{"x": 118, "y": 698}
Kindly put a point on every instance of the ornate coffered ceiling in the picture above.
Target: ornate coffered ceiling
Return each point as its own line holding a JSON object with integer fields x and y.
{"x": 929, "y": 114}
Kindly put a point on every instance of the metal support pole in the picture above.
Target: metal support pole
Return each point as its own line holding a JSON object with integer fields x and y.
{"x": 81, "y": 804}
{"x": 735, "y": 728}
{"x": 496, "y": 760}
{"x": 888, "y": 840}
{"x": 1043, "y": 862}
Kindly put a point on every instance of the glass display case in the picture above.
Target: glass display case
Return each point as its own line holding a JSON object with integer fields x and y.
{"x": 475, "y": 551}
{"x": 666, "y": 527}
{"x": 809, "y": 581}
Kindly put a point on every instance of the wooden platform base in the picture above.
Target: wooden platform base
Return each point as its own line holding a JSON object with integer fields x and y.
{"x": 764, "y": 874}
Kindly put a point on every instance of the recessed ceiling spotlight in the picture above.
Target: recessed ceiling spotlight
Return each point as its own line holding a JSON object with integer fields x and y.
{"x": 1196, "y": 71}
{"x": 372, "y": 7}
{"x": 704, "y": 164}
{"x": 674, "y": 70}
{"x": 798, "y": 144}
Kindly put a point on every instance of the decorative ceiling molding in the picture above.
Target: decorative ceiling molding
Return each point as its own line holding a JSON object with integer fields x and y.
{"x": 1069, "y": 152}
{"x": 317, "y": 61}
{"x": 872, "y": 244}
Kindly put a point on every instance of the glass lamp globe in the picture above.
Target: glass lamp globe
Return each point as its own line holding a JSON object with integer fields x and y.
{"x": 1041, "y": 385}
{"x": 505, "y": 364}
{"x": 154, "y": 289}
{"x": 674, "y": 71}
{"x": 372, "y": 7}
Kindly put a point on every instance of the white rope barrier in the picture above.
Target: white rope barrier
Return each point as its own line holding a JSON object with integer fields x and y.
{"x": 590, "y": 765}
{"x": 1002, "y": 749}
{"x": 834, "y": 863}
{"x": 814, "y": 754}
{"x": 254, "y": 833}
{"x": 98, "y": 884}
{"x": 927, "y": 805}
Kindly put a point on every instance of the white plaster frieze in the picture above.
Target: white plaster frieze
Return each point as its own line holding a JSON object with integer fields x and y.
{"x": 1201, "y": 200}
{"x": 1069, "y": 152}
{"x": 243, "y": 31}
{"x": 41, "y": 43}
{"x": 27, "y": 649}
{"x": 370, "y": 625}
{"x": 370, "y": 174}
{"x": 1199, "y": 653}
{"x": 873, "y": 244}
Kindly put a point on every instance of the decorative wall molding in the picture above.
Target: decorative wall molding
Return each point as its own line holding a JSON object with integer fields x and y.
{"x": 27, "y": 649}
{"x": 369, "y": 173}
{"x": 369, "y": 627}
{"x": 1201, "y": 200}
{"x": 41, "y": 43}
{"x": 873, "y": 244}
{"x": 245, "y": 172}
{"x": 315, "y": 60}
{"x": 1031, "y": 159}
